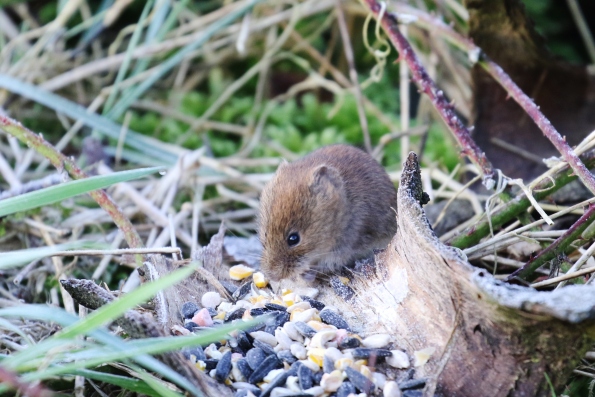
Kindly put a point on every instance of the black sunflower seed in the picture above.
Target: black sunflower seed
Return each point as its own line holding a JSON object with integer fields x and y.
{"x": 196, "y": 351}
{"x": 360, "y": 382}
{"x": 362, "y": 352}
{"x": 242, "y": 291}
{"x": 346, "y": 389}
{"x": 266, "y": 366}
{"x": 235, "y": 315}
{"x": 244, "y": 367}
{"x": 257, "y": 311}
{"x": 244, "y": 341}
{"x": 349, "y": 343}
{"x": 210, "y": 363}
{"x": 328, "y": 365}
{"x": 305, "y": 377}
{"x": 286, "y": 356}
{"x": 190, "y": 326}
{"x": 266, "y": 348}
{"x": 412, "y": 384}
{"x": 223, "y": 367}
{"x": 188, "y": 309}
{"x": 281, "y": 379}
{"x": 275, "y": 307}
{"x": 332, "y": 318}
{"x": 304, "y": 329}
{"x": 314, "y": 303}
{"x": 255, "y": 357}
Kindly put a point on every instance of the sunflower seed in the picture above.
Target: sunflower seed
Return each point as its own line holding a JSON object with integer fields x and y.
{"x": 266, "y": 366}
{"x": 223, "y": 367}
{"x": 360, "y": 382}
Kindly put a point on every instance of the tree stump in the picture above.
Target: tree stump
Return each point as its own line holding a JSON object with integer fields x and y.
{"x": 488, "y": 336}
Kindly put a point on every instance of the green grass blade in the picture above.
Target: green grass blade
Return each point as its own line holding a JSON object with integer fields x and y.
{"x": 157, "y": 384}
{"x": 23, "y": 360}
{"x": 69, "y": 189}
{"x": 136, "y": 385}
{"x": 124, "y": 103}
{"x": 157, "y": 29}
{"x": 147, "y": 145}
{"x": 128, "y": 57}
{"x": 130, "y": 350}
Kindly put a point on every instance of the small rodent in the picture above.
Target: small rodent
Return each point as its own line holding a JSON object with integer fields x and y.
{"x": 324, "y": 211}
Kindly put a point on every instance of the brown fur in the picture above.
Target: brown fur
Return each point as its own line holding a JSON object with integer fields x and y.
{"x": 338, "y": 199}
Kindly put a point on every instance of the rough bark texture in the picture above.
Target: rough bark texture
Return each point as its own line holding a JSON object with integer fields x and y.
{"x": 488, "y": 336}
{"x": 564, "y": 92}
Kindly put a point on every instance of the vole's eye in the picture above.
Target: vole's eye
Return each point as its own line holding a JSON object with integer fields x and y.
{"x": 293, "y": 239}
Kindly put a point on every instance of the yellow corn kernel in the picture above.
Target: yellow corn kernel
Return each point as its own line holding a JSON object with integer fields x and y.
{"x": 285, "y": 291}
{"x": 343, "y": 363}
{"x": 344, "y": 280}
{"x": 358, "y": 364}
{"x": 279, "y": 302}
{"x": 318, "y": 325}
{"x": 366, "y": 372}
{"x": 200, "y": 365}
{"x": 259, "y": 280}
{"x": 317, "y": 355}
{"x": 289, "y": 299}
{"x": 220, "y": 316}
{"x": 240, "y": 272}
{"x": 256, "y": 299}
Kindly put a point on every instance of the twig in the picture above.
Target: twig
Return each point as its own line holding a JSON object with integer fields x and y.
{"x": 506, "y": 261}
{"x": 404, "y": 102}
{"x": 564, "y": 277}
{"x": 580, "y": 262}
{"x": 583, "y": 373}
{"x": 123, "y": 251}
{"x": 542, "y": 122}
{"x": 427, "y": 86}
{"x": 517, "y": 150}
{"x": 176, "y": 114}
{"x": 503, "y": 79}
{"x": 339, "y": 77}
{"x": 197, "y": 204}
{"x": 8, "y": 174}
{"x": 353, "y": 75}
{"x": 527, "y": 272}
{"x": 98, "y": 272}
{"x": 520, "y": 203}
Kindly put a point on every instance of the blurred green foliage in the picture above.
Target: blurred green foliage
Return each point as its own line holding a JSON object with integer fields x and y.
{"x": 554, "y": 22}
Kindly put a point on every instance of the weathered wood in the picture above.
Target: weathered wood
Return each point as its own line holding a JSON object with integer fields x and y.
{"x": 487, "y": 336}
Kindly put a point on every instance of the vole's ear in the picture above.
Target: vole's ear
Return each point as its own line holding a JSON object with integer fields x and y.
{"x": 326, "y": 181}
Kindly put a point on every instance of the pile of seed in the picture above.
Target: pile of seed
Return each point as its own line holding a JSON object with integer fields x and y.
{"x": 302, "y": 349}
